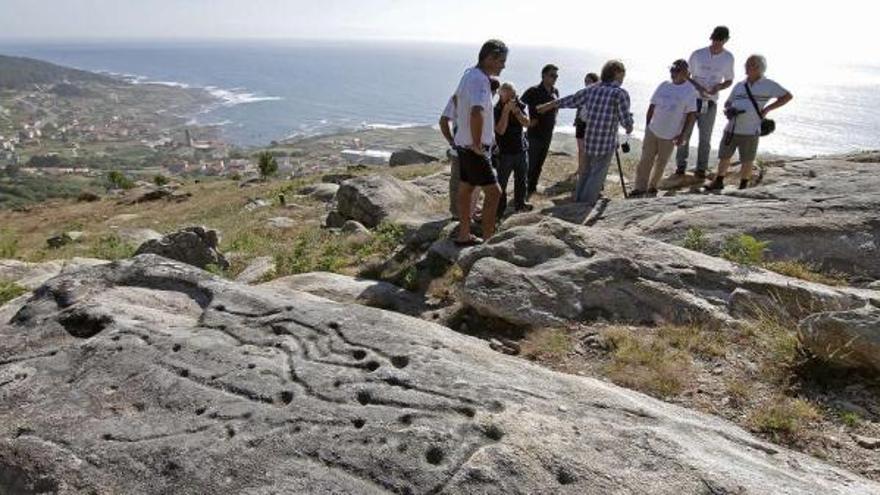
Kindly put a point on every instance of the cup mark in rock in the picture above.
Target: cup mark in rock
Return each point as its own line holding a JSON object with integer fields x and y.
{"x": 400, "y": 361}
{"x": 434, "y": 455}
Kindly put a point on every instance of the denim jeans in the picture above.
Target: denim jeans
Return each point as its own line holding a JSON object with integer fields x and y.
{"x": 518, "y": 165}
{"x": 705, "y": 122}
{"x": 591, "y": 183}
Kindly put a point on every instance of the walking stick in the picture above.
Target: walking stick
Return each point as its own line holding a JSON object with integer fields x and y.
{"x": 620, "y": 169}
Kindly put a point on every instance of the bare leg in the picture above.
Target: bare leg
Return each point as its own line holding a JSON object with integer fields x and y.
{"x": 475, "y": 200}
{"x": 465, "y": 193}
{"x": 746, "y": 170}
{"x": 723, "y": 165}
{"x": 492, "y": 194}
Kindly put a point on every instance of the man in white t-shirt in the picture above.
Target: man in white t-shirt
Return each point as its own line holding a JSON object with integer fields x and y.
{"x": 673, "y": 108}
{"x": 711, "y": 72}
{"x": 744, "y": 125}
{"x": 474, "y": 137}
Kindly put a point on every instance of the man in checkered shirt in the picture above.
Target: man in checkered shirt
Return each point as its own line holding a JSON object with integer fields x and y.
{"x": 605, "y": 107}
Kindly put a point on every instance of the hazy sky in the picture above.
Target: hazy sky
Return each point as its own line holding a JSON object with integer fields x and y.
{"x": 799, "y": 33}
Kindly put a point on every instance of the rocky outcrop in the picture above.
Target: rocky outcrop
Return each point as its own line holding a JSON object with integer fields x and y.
{"x": 436, "y": 185}
{"x": 547, "y": 272}
{"x": 257, "y": 270}
{"x": 845, "y": 338}
{"x": 196, "y": 246}
{"x": 374, "y": 199}
{"x": 324, "y": 191}
{"x": 345, "y": 289}
{"x": 149, "y": 376}
{"x": 822, "y": 211}
{"x": 356, "y": 228}
{"x": 32, "y": 275}
{"x": 136, "y": 237}
{"x": 410, "y": 157}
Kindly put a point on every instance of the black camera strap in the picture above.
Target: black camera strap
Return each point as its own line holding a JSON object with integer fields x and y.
{"x": 755, "y": 103}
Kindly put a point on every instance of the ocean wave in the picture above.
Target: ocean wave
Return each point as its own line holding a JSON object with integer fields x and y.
{"x": 392, "y": 127}
{"x": 197, "y": 122}
{"x": 238, "y": 96}
{"x": 226, "y": 97}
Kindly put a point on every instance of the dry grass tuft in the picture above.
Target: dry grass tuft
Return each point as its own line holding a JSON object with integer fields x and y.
{"x": 785, "y": 419}
{"x": 647, "y": 363}
{"x": 806, "y": 271}
{"x": 550, "y": 344}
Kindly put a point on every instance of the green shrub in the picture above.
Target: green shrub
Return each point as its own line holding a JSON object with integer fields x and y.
{"x": 118, "y": 180}
{"x": 160, "y": 180}
{"x": 112, "y": 247}
{"x": 696, "y": 240}
{"x": 744, "y": 249}
{"x": 385, "y": 240}
{"x": 267, "y": 165}
{"x": 9, "y": 291}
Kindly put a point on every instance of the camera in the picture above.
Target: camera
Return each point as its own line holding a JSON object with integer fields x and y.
{"x": 731, "y": 112}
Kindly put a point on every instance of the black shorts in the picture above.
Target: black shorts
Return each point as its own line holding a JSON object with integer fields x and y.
{"x": 580, "y": 129}
{"x": 476, "y": 170}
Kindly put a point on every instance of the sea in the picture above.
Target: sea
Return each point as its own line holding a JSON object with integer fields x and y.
{"x": 275, "y": 90}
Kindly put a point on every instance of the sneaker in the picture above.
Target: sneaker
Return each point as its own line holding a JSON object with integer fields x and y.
{"x": 716, "y": 185}
{"x": 678, "y": 174}
{"x": 700, "y": 174}
{"x": 744, "y": 184}
{"x": 636, "y": 194}
{"x": 652, "y": 193}
{"x": 524, "y": 207}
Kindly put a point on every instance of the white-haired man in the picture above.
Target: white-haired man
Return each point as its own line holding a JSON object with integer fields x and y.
{"x": 746, "y": 108}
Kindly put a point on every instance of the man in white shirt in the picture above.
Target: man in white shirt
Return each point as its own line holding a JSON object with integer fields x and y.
{"x": 711, "y": 72}
{"x": 744, "y": 125}
{"x": 673, "y": 108}
{"x": 474, "y": 137}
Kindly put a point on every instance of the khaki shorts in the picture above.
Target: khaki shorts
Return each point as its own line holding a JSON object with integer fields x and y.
{"x": 746, "y": 144}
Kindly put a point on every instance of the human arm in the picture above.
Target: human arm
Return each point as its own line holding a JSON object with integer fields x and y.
{"x": 446, "y": 130}
{"x": 624, "y": 113}
{"x": 520, "y": 116}
{"x": 782, "y": 100}
{"x": 650, "y": 115}
{"x": 503, "y": 119}
{"x": 727, "y": 78}
{"x": 720, "y": 87}
{"x": 688, "y": 122}
{"x": 544, "y": 108}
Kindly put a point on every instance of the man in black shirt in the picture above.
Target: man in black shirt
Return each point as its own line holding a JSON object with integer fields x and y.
{"x": 512, "y": 158}
{"x": 541, "y": 125}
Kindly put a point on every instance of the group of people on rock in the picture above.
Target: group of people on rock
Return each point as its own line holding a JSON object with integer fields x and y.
{"x": 513, "y": 139}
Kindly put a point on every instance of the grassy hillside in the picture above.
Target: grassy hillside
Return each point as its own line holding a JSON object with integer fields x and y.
{"x": 21, "y": 72}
